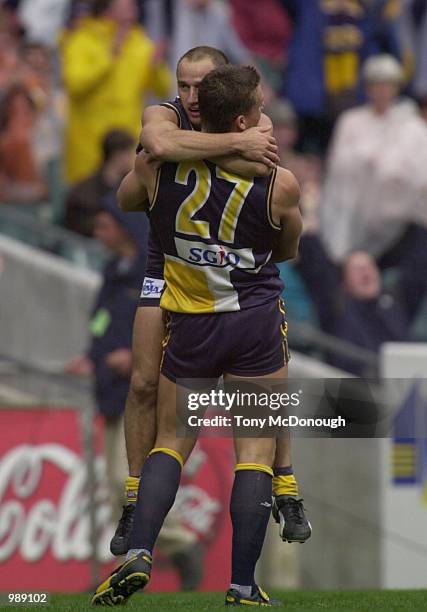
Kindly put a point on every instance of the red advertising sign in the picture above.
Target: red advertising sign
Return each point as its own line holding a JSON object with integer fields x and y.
{"x": 44, "y": 518}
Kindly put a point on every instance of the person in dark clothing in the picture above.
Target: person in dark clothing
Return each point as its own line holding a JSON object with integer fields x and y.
{"x": 352, "y": 305}
{"x": 409, "y": 256}
{"x": 109, "y": 355}
{"x": 83, "y": 201}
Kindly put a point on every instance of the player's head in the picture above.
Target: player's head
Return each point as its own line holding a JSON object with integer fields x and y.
{"x": 230, "y": 99}
{"x": 361, "y": 276}
{"x": 192, "y": 67}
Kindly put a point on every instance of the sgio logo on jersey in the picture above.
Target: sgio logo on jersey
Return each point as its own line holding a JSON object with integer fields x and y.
{"x": 217, "y": 255}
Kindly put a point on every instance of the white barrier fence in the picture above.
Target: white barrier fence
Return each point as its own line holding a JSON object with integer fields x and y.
{"x": 404, "y": 469}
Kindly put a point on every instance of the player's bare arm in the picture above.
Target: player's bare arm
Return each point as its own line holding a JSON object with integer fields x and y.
{"x": 165, "y": 141}
{"x": 132, "y": 194}
{"x": 286, "y": 214}
{"x": 146, "y": 171}
{"x": 161, "y": 122}
{"x": 244, "y": 167}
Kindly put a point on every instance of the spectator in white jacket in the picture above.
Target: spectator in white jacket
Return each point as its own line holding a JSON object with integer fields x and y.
{"x": 376, "y": 181}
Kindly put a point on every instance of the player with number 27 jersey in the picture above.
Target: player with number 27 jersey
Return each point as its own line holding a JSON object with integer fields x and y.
{"x": 217, "y": 258}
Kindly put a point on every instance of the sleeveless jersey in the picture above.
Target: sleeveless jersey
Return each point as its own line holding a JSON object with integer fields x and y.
{"x": 155, "y": 259}
{"x": 176, "y": 106}
{"x": 216, "y": 232}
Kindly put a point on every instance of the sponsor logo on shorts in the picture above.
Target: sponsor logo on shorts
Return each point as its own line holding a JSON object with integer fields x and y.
{"x": 215, "y": 255}
{"x": 152, "y": 287}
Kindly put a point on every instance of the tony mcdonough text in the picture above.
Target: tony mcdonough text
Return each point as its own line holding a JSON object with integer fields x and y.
{"x": 272, "y": 421}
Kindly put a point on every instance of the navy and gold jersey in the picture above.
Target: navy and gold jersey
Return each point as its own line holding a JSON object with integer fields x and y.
{"x": 153, "y": 285}
{"x": 216, "y": 232}
{"x": 176, "y": 106}
{"x": 155, "y": 260}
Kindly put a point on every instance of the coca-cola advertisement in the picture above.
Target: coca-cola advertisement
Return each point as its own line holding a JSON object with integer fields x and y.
{"x": 45, "y": 528}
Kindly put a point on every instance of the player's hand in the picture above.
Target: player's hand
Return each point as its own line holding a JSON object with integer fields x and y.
{"x": 259, "y": 145}
{"x": 120, "y": 360}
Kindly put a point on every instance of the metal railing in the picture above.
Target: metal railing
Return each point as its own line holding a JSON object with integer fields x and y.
{"x": 312, "y": 340}
{"x": 30, "y": 224}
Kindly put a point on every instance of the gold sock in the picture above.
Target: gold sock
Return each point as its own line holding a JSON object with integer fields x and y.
{"x": 285, "y": 485}
{"x": 131, "y": 489}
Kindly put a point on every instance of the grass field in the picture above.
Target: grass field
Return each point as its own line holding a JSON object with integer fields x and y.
{"x": 293, "y": 600}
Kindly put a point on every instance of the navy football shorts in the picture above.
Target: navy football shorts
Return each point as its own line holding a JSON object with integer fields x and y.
{"x": 249, "y": 342}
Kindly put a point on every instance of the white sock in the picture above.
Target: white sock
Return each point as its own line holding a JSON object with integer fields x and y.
{"x": 246, "y": 591}
{"x": 136, "y": 551}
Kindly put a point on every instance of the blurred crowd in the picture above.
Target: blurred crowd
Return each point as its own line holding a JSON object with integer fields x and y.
{"x": 346, "y": 88}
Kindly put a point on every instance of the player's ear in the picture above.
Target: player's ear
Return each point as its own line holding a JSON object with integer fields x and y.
{"x": 241, "y": 123}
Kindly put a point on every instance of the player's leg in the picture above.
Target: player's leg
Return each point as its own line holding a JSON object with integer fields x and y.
{"x": 161, "y": 473}
{"x": 116, "y": 464}
{"x": 250, "y": 508}
{"x": 186, "y": 354}
{"x": 288, "y": 509}
{"x": 159, "y": 482}
{"x": 140, "y": 412}
{"x": 265, "y": 354}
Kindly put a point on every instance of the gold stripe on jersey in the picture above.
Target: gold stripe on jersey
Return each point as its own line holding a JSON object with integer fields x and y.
{"x": 156, "y": 188}
{"x": 234, "y": 203}
{"x": 182, "y": 283}
{"x": 269, "y": 199}
{"x": 175, "y": 110}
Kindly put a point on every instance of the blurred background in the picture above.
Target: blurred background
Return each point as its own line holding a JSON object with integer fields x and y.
{"x": 345, "y": 83}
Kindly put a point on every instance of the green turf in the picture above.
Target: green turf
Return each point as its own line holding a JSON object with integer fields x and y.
{"x": 293, "y": 600}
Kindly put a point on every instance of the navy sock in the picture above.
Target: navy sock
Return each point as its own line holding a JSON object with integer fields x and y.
{"x": 250, "y": 508}
{"x": 158, "y": 485}
{"x": 283, "y": 471}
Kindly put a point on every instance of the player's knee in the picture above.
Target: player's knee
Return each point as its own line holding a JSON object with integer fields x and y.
{"x": 144, "y": 390}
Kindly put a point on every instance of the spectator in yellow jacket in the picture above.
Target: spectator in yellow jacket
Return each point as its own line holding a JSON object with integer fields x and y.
{"x": 108, "y": 64}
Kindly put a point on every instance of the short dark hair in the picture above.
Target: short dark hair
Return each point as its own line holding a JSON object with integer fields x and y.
{"x": 196, "y": 54}
{"x": 224, "y": 94}
{"x": 116, "y": 140}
